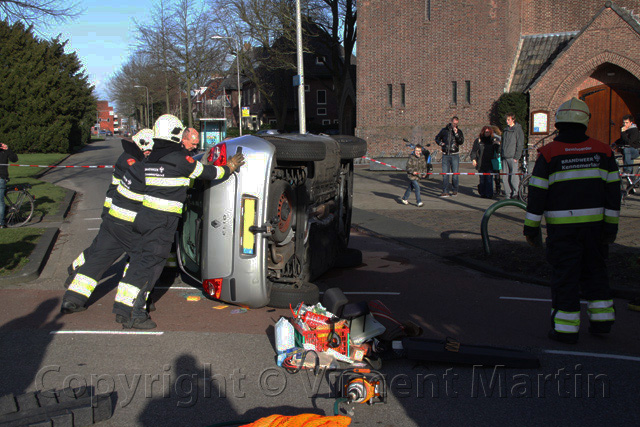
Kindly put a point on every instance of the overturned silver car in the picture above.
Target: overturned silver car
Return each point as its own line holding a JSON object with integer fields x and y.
{"x": 261, "y": 236}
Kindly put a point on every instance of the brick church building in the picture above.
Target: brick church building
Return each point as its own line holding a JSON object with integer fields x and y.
{"x": 420, "y": 62}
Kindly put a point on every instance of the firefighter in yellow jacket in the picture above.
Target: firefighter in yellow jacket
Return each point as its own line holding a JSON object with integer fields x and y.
{"x": 576, "y": 186}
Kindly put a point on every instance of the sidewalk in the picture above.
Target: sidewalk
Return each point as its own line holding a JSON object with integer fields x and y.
{"x": 450, "y": 227}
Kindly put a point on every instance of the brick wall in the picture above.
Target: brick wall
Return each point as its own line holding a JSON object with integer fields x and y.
{"x": 464, "y": 40}
{"x": 472, "y": 41}
{"x": 607, "y": 45}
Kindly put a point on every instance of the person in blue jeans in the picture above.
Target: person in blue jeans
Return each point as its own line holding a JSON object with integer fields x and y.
{"x": 416, "y": 168}
{"x": 6, "y": 156}
{"x": 450, "y": 138}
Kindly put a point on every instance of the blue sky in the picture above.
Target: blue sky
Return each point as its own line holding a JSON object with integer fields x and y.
{"x": 102, "y": 36}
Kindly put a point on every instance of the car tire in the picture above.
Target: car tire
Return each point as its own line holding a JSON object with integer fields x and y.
{"x": 283, "y": 295}
{"x": 276, "y": 205}
{"x": 346, "y": 207}
{"x": 349, "y": 258}
{"x": 296, "y": 150}
{"x": 351, "y": 147}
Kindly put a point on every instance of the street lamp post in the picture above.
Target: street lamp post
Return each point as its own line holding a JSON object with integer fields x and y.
{"x": 147, "y": 91}
{"x": 238, "y": 76}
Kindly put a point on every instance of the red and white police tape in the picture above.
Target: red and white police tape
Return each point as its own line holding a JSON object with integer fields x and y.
{"x": 364, "y": 157}
{"x": 60, "y": 166}
{"x": 465, "y": 173}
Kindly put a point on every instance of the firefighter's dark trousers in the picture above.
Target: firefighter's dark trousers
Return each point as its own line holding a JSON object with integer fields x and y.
{"x": 577, "y": 258}
{"x": 87, "y": 253}
{"x": 156, "y": 232}
{"x": 113, "y": 240}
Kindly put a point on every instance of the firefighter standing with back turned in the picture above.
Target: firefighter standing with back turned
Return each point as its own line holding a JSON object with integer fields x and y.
{"x": 576, "y": 186}
{"x": 132, "y": 153}
{"x": 168, "y": 171}
{"x": 116, "y": 235}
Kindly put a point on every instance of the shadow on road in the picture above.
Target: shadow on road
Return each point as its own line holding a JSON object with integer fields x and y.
{"x": 24, "y": 345}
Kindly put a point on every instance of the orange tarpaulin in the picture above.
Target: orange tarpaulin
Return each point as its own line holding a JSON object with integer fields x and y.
{"x": 302, "y": 420}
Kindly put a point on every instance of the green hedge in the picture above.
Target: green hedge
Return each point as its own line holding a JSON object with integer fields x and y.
{"x": 46, "y": 102}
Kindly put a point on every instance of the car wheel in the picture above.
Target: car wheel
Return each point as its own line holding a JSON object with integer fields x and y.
{"x": 351, "y": 147}
{"x": 298, "y": 150}
{"x": 346, "y": 205}
{"x": 283, "y": 295}
{"x": 280, "y": 210}
{"x": 349, "y": 258}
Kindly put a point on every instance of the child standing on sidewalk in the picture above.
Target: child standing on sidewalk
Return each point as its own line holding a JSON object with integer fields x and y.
{"x": 416, "y": 168}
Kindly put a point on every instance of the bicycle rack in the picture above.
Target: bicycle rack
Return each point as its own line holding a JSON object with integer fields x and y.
{"x": 484, "y": 225}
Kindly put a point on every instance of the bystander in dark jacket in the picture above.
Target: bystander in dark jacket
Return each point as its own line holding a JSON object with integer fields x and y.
{"x": 484, "y": 151}
{"x": 6, "y": 156}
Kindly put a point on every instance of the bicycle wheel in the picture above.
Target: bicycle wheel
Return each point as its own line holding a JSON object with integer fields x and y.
{"x": 523, "y": 188}
{"x": 18, "y": 208}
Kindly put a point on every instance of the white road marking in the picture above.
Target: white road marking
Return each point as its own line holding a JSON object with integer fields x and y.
{"x": 532, "y": 299}
{"x": 105, "y": 333}
{"x": 600, "y": 355}
{"x": 92, "y": 219}
{"x": 92, "y": 229}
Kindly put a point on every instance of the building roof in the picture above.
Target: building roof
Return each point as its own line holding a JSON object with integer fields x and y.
{"x": 627, "y": 15}
{"x": 536, "y": 53}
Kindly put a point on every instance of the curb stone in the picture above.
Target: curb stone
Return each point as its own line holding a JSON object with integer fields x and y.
{"x": 63, "y": 207}
{"x": 37, "y": 260}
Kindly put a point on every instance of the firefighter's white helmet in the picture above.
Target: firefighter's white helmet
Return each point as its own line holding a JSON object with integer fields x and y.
{"x": 144, "y": 139}
{"x": 169, "y": 128}
{"x": 573, "y": 111}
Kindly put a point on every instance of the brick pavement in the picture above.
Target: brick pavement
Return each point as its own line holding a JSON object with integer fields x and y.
{"x": 451, "y": 227}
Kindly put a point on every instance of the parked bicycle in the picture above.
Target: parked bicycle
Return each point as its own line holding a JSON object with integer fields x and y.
{"x": 19, "y": 205}
{"x": 628, "y": 184}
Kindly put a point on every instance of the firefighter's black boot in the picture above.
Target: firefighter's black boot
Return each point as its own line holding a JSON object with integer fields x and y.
{"x": 69, "y": 307}
{"x": 563, "y": 337}
{"x": 139, "y": 323}
{"x": 597, "y": 328}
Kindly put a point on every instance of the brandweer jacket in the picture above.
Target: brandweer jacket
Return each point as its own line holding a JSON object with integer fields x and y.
{"x": 448, "y": 141}
{"x": 574, "y": 183}
{"x": 131, "y": 155}
{"x": 167, "y": 178}
{"x": 512, "y": 142}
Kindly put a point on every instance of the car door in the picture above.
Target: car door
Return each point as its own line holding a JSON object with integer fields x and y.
{"x": 190, "y": 236}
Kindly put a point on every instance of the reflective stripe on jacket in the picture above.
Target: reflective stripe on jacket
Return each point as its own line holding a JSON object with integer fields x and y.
{"x": 574, "y": 184}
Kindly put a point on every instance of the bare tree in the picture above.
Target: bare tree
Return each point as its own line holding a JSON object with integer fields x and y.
{"x": 153, "y": 39}
{"x": 194, "y": 56}
{"x": 38, "y": 12}
{"x": 266, "y": 32}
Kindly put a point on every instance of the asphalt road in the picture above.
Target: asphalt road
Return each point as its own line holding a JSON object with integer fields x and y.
{"x": 205, "y": 364}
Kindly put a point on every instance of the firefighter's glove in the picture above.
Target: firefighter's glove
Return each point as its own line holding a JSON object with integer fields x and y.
{"x": 235, "y": 162}
{"x": 535, "y": 241}
{"x": 607, "y": 238}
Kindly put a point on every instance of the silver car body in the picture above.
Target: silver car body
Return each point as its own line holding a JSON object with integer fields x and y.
{"x": 242, "y": 274}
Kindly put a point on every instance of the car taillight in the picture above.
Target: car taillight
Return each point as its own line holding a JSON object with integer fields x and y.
{"x": 213, "y": 287}
{"x": 218, "y": 155}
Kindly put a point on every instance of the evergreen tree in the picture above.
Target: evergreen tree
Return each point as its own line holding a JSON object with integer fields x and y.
{"x": 46, "y": 102}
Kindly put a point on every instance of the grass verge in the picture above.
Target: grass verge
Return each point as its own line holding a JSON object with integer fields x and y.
{"x": 16, "y": 244}
{"x": 47, "y": 196}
